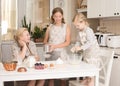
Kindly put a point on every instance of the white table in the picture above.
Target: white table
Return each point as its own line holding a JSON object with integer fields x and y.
{"x": 60, "y": 71}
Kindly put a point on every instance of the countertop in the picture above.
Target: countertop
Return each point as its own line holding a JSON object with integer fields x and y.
{"x": 116, "y": 50}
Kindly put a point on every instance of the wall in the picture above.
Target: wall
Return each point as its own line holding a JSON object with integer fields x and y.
{"x": 111, "y": 25}
{"x": 21, "y": 4}
{"x": 36, "y": 11}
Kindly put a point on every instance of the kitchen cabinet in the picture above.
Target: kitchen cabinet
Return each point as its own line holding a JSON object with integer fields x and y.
{"x": 94, "y": 8}
{"x": 117, "y": 8}
{"x": 112, "y": 8}
{"x": 103, "y": 8}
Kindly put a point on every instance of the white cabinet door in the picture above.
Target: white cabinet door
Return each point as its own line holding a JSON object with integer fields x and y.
{"x": 103, "y": 8}
{"x": 117, "y": 11}
{"x": 95, "y": 8}
{"x": 110, "y": 8}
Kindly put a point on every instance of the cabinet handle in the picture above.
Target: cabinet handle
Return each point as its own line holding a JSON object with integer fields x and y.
{"x": 99, "y": 14}
{"x": 114, "y": 13}
{"x": 115, "y": 57}
{"x": 117, "y": 13}
{"x": 109, "y": 39}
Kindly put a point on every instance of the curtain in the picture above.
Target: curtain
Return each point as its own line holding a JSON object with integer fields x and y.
{"x": 8, "y": 16}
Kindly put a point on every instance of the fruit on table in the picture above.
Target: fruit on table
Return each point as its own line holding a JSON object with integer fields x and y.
{"x": 51, "y": 65}
{"x": 39, "y": 66}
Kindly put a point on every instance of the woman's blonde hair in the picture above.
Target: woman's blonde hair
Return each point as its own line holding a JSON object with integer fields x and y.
{"x": 19, "y": 33}
{"x": 80, "y": 17}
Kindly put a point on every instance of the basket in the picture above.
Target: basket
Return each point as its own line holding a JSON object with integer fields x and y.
{"x": 10, "y": 66}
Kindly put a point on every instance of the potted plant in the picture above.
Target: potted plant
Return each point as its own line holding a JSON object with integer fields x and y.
{"x": 24, "y": 24}
{"x": 38, "y": 34}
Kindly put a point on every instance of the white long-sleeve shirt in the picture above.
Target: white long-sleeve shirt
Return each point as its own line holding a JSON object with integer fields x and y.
{"x": 87, "y": 38}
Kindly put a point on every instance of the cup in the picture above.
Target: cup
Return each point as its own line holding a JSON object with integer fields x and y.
{"x": 30, "y": 61}
{"x": 75, "y": 58}
{"x": 47, "y": 48}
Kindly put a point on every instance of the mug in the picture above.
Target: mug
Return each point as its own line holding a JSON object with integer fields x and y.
{"x": 47, "y": 48}
{"x": 30, "y": 61}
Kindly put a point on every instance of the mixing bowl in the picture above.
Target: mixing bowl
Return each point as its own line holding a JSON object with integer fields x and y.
{"x": 75, "y": 58}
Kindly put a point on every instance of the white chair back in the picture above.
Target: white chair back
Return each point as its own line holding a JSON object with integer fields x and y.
{"x": 106, "y": 66}
{"x": 105, "y": 69}
{"x": 6, "y": 51}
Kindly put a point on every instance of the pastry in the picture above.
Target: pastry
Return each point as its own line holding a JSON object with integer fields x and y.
{"x": 22, "y": 69}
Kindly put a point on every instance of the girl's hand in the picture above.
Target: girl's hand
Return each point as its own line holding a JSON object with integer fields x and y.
{"x": 37, "y": 58}
{"x": 75, "y": 49}
{"x": 72, "y": 49}
{"x": 52, "y": 47}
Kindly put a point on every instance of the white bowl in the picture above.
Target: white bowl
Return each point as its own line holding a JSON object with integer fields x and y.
{"x": 75, "y": 59}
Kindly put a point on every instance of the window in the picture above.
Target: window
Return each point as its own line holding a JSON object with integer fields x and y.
{"x": 8, "y": 18}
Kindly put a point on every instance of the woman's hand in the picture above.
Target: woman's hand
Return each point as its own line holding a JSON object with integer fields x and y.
{"x": 22, "y": 43}
{"x": 52, "y": 47}
{"x": 37, "y": 58}
{"x": 75, "y": 49}
{"x": 23, "y": 48}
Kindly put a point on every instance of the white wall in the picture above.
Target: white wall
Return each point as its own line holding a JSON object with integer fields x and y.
{"x": 21, "y": 11}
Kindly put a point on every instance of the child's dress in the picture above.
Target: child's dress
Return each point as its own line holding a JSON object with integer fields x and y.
{"x": 90, "y": 46}
{"x": 57, "y": 35}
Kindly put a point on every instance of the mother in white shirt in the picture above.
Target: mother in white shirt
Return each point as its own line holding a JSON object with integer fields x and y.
{"x": 88, "y": 42}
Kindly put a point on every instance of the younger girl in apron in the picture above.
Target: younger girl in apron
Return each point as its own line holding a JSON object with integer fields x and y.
{"x": 88, "y": 44}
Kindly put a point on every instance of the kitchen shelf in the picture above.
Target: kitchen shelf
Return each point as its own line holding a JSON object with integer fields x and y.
{"x": 82, "y": 10}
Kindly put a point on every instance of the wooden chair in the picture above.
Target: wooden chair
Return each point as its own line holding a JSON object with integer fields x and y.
{"x": 105, "y": 69}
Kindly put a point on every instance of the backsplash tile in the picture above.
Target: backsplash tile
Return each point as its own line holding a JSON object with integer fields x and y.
{"x": 112, "y": 25}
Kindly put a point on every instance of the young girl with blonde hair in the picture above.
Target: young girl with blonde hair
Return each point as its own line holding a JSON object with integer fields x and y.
{"x": 88, "y": 44}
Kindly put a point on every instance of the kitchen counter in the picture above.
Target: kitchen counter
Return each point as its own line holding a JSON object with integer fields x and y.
{"x": 116, "y": 50}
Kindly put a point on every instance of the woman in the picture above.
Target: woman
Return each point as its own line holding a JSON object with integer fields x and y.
{"x": 88, "y": 43}
{"x": 57, "y": 36}
{"x": 22, "y": 48}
